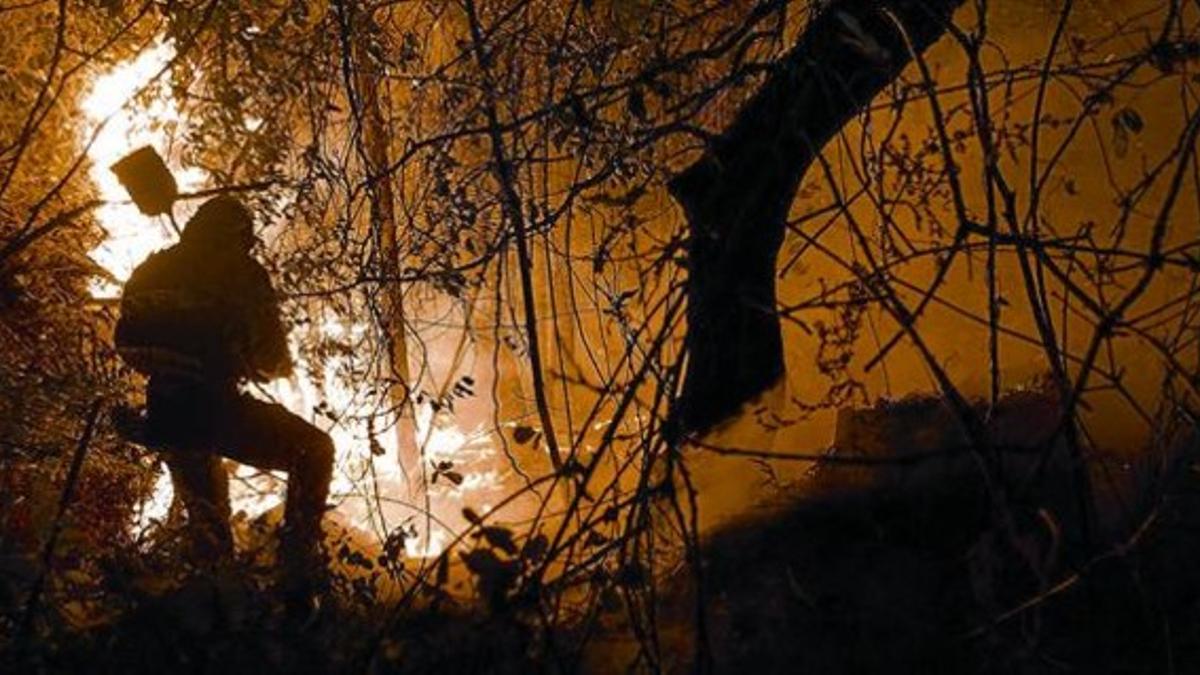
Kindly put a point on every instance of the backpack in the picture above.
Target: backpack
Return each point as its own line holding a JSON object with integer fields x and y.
{"x": 186, "y": 312}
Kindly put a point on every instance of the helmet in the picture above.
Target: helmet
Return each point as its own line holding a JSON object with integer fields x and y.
{"x": 221, "y": 221}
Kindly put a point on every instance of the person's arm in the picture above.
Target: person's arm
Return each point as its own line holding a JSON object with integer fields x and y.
{"x": 267, "y": 353}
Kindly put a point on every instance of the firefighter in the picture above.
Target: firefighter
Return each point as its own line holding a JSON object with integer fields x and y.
{"x": 200, "y": 319}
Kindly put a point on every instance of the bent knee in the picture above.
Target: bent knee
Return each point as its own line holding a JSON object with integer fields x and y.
{"x": 319, "y": 452}
{"x": 313, "y": 463}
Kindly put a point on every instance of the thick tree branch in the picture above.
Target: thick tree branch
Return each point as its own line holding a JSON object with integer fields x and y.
{"x": 736, "y": 196}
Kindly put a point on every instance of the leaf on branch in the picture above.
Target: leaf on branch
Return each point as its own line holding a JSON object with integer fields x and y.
{"x": 1125, "y": 121}
{"x": 1130, "y": 119}
{"x": 535, "y": 549}
{"x": 501, "y": 538}
{"x": 490, "y": 569}
{"x": 523, "y": 434}
{"x": 377, "y": 448}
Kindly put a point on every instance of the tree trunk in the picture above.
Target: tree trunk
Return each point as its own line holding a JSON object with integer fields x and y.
{"x": 373, "y": 141}
{"x": 737, "y": 195}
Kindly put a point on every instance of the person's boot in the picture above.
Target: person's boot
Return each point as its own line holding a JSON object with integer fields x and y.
{"x": 201, "y": 483}
{"x": 303, "y": 577}
{"x": 301, "y": 552}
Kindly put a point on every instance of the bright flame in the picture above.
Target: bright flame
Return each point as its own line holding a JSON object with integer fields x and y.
{"x": 362, "y": 475}
{"x": 132, "y": 236}
{"x": 156, "y": 509}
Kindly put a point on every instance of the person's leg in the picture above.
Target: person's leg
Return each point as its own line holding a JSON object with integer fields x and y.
{"x": 269, "y": 436}
{"x": 201, "y": 482}
{"x": 179, "y": 417}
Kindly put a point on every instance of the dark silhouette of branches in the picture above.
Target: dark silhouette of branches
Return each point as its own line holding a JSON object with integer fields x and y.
{"x": 738, "y": 194}
{"x": 606, "y": 259}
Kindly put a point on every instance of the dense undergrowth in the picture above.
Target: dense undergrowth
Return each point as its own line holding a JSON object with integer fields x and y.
{"x": 857, "y": 570}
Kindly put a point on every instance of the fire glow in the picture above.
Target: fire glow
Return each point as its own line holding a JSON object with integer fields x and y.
{"x": 123, "y": 125}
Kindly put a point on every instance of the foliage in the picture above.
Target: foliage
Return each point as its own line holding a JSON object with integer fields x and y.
{"x": 492, "y": 177}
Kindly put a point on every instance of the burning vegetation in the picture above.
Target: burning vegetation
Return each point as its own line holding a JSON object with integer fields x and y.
{"x": 836, "y": 336}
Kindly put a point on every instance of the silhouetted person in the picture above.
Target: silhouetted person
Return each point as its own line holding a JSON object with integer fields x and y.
{"x": 201, "y": 318}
